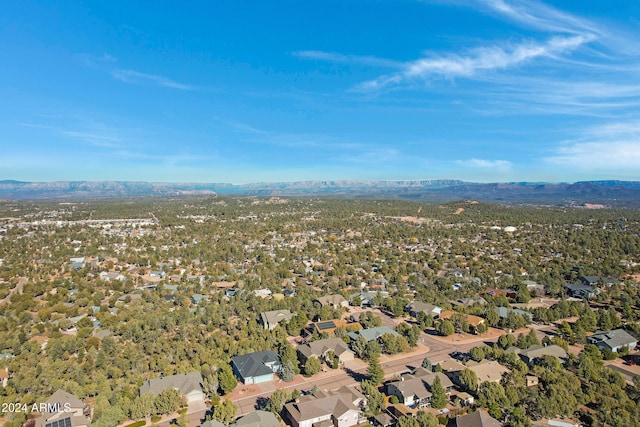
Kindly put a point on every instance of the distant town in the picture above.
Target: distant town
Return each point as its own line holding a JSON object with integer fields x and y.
{"x": 249, "y": 311}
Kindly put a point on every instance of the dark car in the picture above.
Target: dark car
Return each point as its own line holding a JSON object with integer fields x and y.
{"x": 463, "y": 357}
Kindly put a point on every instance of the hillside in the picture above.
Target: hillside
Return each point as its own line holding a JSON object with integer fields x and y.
{"x": 587, "y": 193}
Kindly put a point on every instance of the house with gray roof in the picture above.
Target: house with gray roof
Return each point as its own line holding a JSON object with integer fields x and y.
{"x": 590, "y": 280}
{"x": 614, "y": 340}
{"x": 257, "y": 419}
{"x": 414, "y": 308}
{"x": 468, "y": 302}
{"x": 256, "y": 368}
{"x": 271, "y": 319}
{"x": 367, "y": 298}
{"x": 371, "y": 334}
{"x": 64, "y": 410}
{"x": 321, "y": 348}
{"x": 503, "y": 312}
{"x": 189, "y": 385}
{"x": 198, "y": 298}
{"x": 535, "y": 352}
{"x": 580, "y": 290}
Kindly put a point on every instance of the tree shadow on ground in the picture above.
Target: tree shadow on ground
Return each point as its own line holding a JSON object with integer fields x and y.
{"x": 356, "y": 375}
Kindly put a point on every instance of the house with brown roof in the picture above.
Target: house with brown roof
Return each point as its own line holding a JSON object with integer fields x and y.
{"x": 486, "y": 371}
{"x": 338, "y": 408}
{"x": 479, "y": 418}
{"x": 190, "y": 386}
{"x": 330, "y": 326}
{"x": 333, "y": 301}
{"x": 271, "y": 319}
{"x": 472, "y": 320}
{"x": 4, "y": 377}
{"x": 414, "y": 390}
{"x": 321, "y": 348}
{"x": 41, "y": 340}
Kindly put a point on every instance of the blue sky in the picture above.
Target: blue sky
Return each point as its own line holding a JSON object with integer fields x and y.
{"x": 246, "y": 91}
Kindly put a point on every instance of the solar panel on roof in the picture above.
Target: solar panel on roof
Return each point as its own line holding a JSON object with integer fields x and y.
{"x": 326, "y": 325}
{"x": 65, "y": 422}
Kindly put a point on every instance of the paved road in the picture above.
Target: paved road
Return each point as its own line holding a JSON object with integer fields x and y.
{"x": 248, "y": 398}
{"x": 16, "y": 290}
{"x": 429, "y": 346}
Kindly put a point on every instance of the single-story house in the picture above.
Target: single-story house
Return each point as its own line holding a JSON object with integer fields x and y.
{"x": 108, "y": 276}
{"x": 263, "y": 293}
{"x": 535, "y": 352}
{"x": 371, "y": 334}
{"x": 64, "y": 409}
{"x": 198, "y": 298}
{"x": 320, "y": 349}
{"x": 256, "y": 368}
{"x": 468, "y": 302}
{"x": 580, "y": 290}
{"x": 257, "y": 419}
{"x": 367, "y": 297}
{"x": 472, "y": 320}
{"x": 589, "y": 280}
{"x": 271, "y": 319}
{"x": 329, "y": 326}
{"x": 479, "y": 418}
{"x": 189, "y": 385}
{"x": 486, "y": 371}
{"x": 416, "y": 307}
{"x": 339, "y": 408}
{"x": 384, "y": 420}
{"x": 503, "y": 312}
{"x": 614, "y": 340}
{"x": 334, "y": 301}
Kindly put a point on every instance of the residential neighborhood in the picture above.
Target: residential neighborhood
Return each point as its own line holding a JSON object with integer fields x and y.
{"x": 133, "y": 321}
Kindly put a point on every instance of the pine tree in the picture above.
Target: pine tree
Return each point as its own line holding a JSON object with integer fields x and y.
{"x": 375, "y": 371}
{"x": 438, "y": 395}
{"x": 227, "y": 380}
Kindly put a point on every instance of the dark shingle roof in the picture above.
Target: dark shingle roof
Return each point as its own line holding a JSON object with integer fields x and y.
{"x": 255, "y": 364}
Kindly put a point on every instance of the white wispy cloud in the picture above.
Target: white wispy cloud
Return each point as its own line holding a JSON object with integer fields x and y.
{"x": 136, "y": 77}
{"x": 612, "y": 146}
{"x": 485, "y": 164}
{"x": 477, "y": 60}
{"x": 348, "y": 59}
{"x": 97, "y": 139}
{"x": 539, "y": 16}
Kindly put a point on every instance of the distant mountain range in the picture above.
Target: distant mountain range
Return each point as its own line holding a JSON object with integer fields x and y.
{"x": 586, "y": 193}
